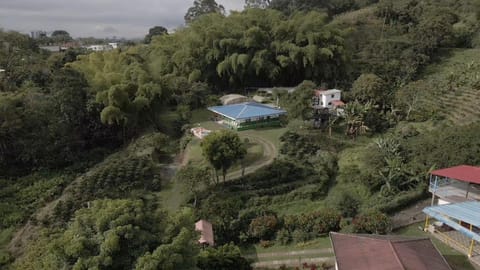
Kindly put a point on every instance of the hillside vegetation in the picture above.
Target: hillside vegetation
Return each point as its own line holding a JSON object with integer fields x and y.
{"x": 95, "y": 149}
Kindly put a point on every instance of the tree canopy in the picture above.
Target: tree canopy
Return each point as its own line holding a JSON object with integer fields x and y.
{"x": 202, "y": 7}
{"x": 222, "y": 149}
{"x": 155, "y": 31}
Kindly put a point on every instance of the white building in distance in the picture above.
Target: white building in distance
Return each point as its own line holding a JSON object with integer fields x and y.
{"x": 330, "y": 99}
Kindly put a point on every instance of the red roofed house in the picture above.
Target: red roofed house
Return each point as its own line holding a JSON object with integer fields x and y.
{"x": 206, "y": 232}
{"x": 455, "y": 208}
{"x": 455, "y": 184}
{"x": 376, "y": 252}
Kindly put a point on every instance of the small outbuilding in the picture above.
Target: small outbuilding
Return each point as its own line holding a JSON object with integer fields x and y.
{"x": 377, "y": 252}
{"x": 233, "y": 99}
{"x": 206, "y": 232}
{"x": 247, "y": 115}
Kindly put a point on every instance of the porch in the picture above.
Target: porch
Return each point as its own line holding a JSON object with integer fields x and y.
{"x": 453, "y": 191}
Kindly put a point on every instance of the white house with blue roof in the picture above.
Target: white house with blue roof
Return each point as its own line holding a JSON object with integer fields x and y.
{"x": 247, "y": 115}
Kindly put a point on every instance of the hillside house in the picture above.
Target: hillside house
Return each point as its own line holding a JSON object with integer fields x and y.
{"x": 206, "y": 232}
{"x": 455, "y": 184}
{"x": 247, "y": 115}
{"x": 331, "y": 99}
{"x": 380, "y": 252}
{"x": 233, "y": 99}
{"x": 454, "y": 216}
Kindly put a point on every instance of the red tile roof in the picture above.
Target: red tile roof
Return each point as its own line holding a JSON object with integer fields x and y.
{"x": 465, "y": 173}
{"x": 338, "y": 103}
{"x": 372, "y": 252}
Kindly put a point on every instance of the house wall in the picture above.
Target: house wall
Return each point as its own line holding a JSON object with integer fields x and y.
{"x": 328, "y": 98}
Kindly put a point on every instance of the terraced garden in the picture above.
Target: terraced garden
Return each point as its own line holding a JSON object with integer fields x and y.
{"x": 454, "y": 88}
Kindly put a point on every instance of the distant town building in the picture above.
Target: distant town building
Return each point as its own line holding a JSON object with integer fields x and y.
{"x": 53, "y": 48}
{"x": 114, "y": 45}
{"x": 38, "y": 34}
{"x": 99, "y": 48}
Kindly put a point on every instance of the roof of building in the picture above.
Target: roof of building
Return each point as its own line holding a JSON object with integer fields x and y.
{"x": 245, "y": 110}
{"x": 374, "y": 252}
{"x": 232, "y": 99}
{"x": 338, "y": 103}
{"x": 465, "y": 173}
{"x": 464, "y": 211}
{"x": 206, "y": 232}
{"x": 326, "y": 92}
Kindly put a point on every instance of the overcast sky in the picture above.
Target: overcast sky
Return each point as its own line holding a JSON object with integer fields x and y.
{"x": 98, "y": 18}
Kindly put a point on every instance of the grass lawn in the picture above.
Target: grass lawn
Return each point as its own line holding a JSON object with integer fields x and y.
{"x": 263, "y": 144}
{"x": 457, "y": 260}
{"x": 5, "y": 236}
{"x": 297, "y": 206}
{"x": 319, "y": 243}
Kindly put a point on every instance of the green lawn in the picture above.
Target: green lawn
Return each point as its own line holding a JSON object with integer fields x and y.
{"x": 297, "y": 206}
{"x": 5, "y": 237}
{"x": 319, "y": 243}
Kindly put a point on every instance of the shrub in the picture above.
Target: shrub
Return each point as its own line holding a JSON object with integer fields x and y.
{"x": 300, "y": 236}
{"x": 372, "y": 222}
{"x": 347, "y": 204}
{"x": 264, "y": 227}
{"x": 266, "y": 243}
{"x": 283, "y": 237}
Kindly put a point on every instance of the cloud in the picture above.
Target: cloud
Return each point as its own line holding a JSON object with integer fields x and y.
{"x": 98, "y": 18}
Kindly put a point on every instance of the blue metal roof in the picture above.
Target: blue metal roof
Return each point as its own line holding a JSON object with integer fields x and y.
{"x": 450, "y": 214}
{"x": 245, "y": 110}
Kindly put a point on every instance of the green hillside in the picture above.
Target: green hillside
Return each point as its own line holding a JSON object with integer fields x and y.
{"x": 98, "y": 169}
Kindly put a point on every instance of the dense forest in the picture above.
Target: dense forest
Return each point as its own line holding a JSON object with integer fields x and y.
{"x": 90, "y": 141}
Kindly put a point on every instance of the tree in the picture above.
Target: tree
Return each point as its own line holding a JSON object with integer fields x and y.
{"x": 155, "y": 31}
{"x": 299, "y": 102}
{"x": 370, "y": 87}
{"x": 222, "y": 149}
{"x": 354, "y": 115}
{"x": 116, "y": 233}
{"x": 202, "y": 7}
{"x": 409, "y": 99}
{"x": 257, "y": 3}
{"x": 195, "y": 178}
{"x": 372, "y": 222}
{"x": 225, "y": 257}
{"x": 60, "y": 36}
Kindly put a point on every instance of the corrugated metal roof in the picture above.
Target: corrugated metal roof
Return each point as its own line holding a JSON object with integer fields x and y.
{"x": 465, "y": 173}
{"x": 245, "y": 110}
{"x": 468, "y": 212}
{"x": 373, "y": 252}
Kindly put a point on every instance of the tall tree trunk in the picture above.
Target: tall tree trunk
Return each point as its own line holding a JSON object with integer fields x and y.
{"x": 224, "y": 172}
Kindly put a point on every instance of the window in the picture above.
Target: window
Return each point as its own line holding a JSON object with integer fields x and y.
{"x": 329, "y": 103}
{"x": 321, "y": 103}
{"x": 333, "y": 95}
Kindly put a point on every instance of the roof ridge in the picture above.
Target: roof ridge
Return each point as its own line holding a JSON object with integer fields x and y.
{"x": 396, "y": 255}
{"x": 243, "y": 110}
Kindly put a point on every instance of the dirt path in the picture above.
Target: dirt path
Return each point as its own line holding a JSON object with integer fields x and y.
{"x": 270, "y": 152}
{"x": 291, "y": 253}
{"x": 410, "y": 215}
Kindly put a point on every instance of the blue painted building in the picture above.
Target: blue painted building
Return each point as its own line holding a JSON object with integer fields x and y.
{"x": 247, "y": 115}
